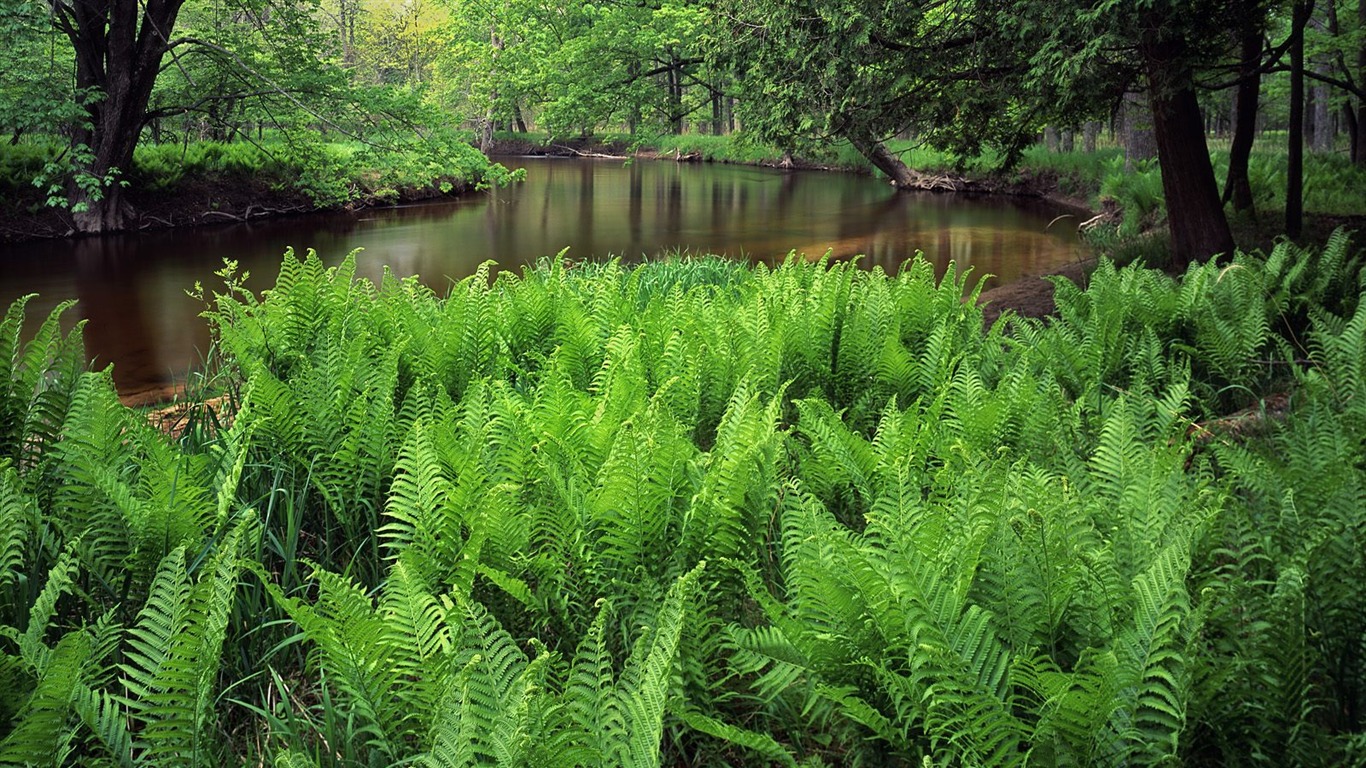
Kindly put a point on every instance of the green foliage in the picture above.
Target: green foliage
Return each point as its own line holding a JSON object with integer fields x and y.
{"x": 808, "y": 514}
{"x": 1137, "y": 192}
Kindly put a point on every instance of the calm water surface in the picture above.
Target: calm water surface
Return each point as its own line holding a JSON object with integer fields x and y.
{"x": 131, "y": 288}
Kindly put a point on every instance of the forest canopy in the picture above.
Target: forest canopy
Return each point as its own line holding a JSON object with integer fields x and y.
{"x": 964, "y": 76}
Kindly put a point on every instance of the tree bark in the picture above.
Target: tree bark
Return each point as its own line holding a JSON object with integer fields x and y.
{"x": 1195, "y": 216}
{"x": 883, "y": 160}
{"x": 1247, "y": 94}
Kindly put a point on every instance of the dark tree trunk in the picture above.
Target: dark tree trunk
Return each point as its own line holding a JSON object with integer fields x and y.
{"x": 1294, "y": 167}
{"x": 1359, "y": 146}
{"x": 1247, "y": 94}
{"x": 1195, "y": 216}
{"x": 675, "y": 97}
{"x": 1349, "y": 117}
{"x": 119, "y": 57}
{"x": 716, "y": 113}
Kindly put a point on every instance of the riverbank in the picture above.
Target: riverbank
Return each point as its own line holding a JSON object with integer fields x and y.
{"x": 210, "y": 182}
{"x": 202, "y": 201}
{"x": 934, "y": 170}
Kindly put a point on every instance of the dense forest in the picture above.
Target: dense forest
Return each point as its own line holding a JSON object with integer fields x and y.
{"x": 698, "y": 511}
{"x": 374, "y": 96}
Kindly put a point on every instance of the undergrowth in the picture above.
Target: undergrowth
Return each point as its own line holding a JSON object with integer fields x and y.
{"x": 700, "y": 513}
{"x": 328, "y": 173}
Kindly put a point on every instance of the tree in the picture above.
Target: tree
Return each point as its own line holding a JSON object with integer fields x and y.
{"x": 1250, "y": 64}
{"x": 815, "y": 71}
{"x": 1195, "y": 214}
{"x": 971, "y": 73}
{"x": 35, "y": 89}
{"x": 119, "y": 46}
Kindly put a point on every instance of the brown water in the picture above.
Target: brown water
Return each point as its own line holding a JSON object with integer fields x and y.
{"x": 132, "y": 287}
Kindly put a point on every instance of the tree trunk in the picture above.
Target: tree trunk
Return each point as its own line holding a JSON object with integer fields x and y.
{"x": 1195, "y": 216}
{"x": 119, "y": 58}
{"x": 1050, "y": 139}
{"x": 675, "y": 97}
{"x": 1359, "y": 146}
{"x": 1089, "y": 131}
{"x": 883, "y": 160}
{"x": 1136, "y": 129}
{"x": 1349, "y": 117}
{"x": 1247, "y": 94}
{"x": 486, "y": 125}
{"x": 1067, "y": 141}
{"x": 1319, "y": 118}
{"x": 1294, "y": 167}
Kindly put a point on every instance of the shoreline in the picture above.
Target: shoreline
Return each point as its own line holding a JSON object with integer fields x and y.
{"x": 198, "y": 202}
{"x": 1031, "y": 184}
{"x": 205, "y": 202}
{"x": 208, "y": 201}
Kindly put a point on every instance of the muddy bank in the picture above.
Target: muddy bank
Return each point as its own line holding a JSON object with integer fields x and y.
{"x": 193, "y": 202}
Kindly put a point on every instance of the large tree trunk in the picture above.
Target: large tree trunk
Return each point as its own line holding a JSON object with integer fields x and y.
{"x": 119, "y": 58}
{"x": 883, "y": 160}
{"x": 1195, "y": 216}
{"x": 1237, "y": 185}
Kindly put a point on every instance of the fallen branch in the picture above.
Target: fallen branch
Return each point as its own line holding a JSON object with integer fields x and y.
{"x": 225, "y": 214}
{"x": 577, "y": 153}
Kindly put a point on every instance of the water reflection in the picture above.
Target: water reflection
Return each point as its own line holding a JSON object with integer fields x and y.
{"x": 131, "y": 288}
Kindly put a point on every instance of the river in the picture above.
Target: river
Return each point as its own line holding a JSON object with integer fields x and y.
{"x": 132, "y": 287}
